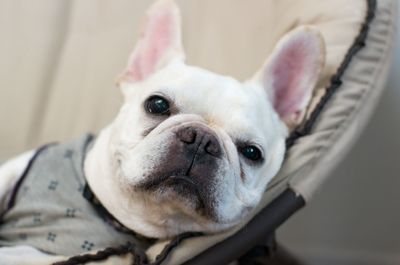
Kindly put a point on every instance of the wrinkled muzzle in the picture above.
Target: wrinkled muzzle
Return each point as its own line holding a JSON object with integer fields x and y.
{"x": 189, "y": 168}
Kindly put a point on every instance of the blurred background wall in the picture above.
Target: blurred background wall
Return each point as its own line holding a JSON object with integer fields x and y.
{"x": 59, "y": 59}
{"x": 60, "y": 83}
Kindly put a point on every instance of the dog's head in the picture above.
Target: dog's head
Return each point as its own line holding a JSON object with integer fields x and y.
{"x": 195, "y": 148}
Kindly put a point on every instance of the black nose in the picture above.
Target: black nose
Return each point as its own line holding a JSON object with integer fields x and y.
{"x": 200, "y": 138}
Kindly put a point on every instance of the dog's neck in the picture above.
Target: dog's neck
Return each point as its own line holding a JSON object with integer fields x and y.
{"x": 98, "y": 171}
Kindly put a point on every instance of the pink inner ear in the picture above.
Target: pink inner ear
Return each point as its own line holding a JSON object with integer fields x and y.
{"x": 290, "y": 69}
{"x": 155, "y": 41}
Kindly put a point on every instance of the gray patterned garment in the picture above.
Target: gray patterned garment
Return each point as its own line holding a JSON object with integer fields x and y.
{"x": 49, "y": 212}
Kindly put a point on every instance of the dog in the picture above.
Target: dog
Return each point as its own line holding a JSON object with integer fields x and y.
{"x": 190, "y": 150}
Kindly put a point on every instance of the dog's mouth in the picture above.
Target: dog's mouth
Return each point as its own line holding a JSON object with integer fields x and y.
{"x": 181, "y": 180}
{"x": 182, "y": 185}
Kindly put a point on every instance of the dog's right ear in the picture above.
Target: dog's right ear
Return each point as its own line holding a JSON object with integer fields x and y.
{"x": 159, "y": 44}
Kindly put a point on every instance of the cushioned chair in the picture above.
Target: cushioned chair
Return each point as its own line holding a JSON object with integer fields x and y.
{"x": 67, "y": 57}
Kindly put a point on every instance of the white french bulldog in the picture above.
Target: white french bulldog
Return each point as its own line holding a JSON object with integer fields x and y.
{"x": 190, "y": 150}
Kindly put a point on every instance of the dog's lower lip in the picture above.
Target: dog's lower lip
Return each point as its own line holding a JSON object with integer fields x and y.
{"x": 157, "y": 181}
{"x": 193, "y": 186}
{"x": 183, "y": 178}
{"x": 175, "y": 179}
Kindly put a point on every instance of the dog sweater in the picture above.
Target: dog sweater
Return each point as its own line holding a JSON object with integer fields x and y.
{"x": 50, "y": 208}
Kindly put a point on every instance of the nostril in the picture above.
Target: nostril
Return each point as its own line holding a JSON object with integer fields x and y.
{"x": 187, "y": 135}
{"x": 212, "y": 148}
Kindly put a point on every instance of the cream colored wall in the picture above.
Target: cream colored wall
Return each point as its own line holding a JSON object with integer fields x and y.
{"x": 59, "y": 59}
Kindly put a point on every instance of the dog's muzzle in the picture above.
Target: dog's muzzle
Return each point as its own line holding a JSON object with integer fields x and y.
{"x": 190, "y": 167}
{"x": 199, "y": 143}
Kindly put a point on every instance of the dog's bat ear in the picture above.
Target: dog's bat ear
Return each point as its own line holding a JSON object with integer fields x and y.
{"x": 291, "y": 73}
{"x": 159, "y": 44}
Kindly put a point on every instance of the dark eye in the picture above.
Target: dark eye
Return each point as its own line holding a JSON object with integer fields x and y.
{"x": 157, "y": 105}
{"x": 251, "y": 152}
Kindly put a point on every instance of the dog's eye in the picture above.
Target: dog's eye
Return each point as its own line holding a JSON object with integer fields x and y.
{"x": 251, "y": 152}
{"x": 157, "y": 105}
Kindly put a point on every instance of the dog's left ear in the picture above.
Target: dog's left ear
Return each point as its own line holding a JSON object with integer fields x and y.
{"x": 291, "y": 73}
{"x": 159, "y": 44}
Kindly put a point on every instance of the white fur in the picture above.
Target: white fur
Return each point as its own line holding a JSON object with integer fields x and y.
{"x": 123, "y": 140}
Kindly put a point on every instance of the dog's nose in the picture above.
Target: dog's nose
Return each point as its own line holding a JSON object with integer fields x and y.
{"x": 187, "y": 135}
{"x": 202, "y": 138}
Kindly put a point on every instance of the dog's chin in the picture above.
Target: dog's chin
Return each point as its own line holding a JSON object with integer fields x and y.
{"x": 181, "y": 191}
